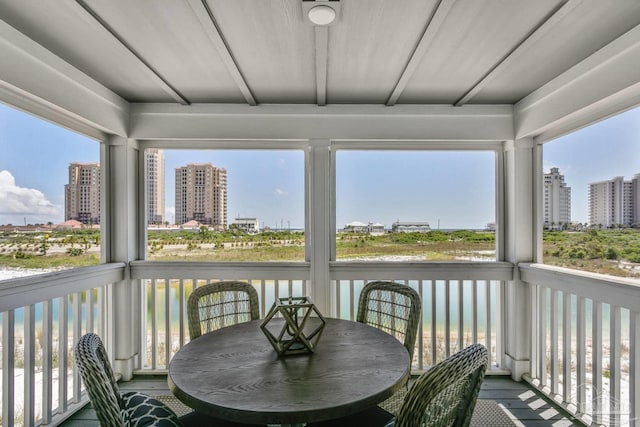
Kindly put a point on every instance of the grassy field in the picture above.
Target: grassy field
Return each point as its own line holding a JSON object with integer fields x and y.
{"x": 614, "y": 252}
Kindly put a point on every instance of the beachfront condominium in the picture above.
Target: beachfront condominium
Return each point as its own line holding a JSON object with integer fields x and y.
{"x": 82, "y": 193}
{"x": 154, "y": 185}
{"x": 614, "y": 202}
{"x": 201, "y": 194}
{"x": 557, "y": 201}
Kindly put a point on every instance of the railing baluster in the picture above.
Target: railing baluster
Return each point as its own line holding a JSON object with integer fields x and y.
{"x": 542, "y": 335}
{"x": 474, "y": 311}
{"x": 487, "y": 309}
{"x": 535, "y": 332}
{"x": 29, "y": 339}
{"x": 500, "y": 296}
{"x": 63, "y": 340}
{"x": 154, "y": 324}
{"x": 434, "y": 338}
{"x": 352, "y": 298}
{"x": 553, "y": 336}
{"x": 596, "y": 352}
{"x": 167, "y": 322}
{"x": 581, "y": 352}
{"x": 182, "y": 308}
{"x": 634, "y": 365}
{"x": 144, "y": 327}
{"x": 447, "y": 320}
{"x": 76, "y": 323}
{"x": 614, "y": 365}
{"x": 47, "y": 361}
{"x": 460, "y": 315}
{"x": 88, "y": 309}
{"x": 8, "y": 366}
{"x": 566, "y": 347}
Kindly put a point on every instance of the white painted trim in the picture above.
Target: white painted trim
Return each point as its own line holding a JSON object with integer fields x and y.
{"x": 453, "y": 270}
{"x": 239, "y": 121}
{"x": 24, "y": 291}
{"x": 219, "y": 270}
{"x": 35, "y": 80}
{"x": 604, "y": 84}
{"x": 599, "y": 287}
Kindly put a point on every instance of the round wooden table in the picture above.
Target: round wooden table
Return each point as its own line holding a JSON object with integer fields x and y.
{"x": 235, "y": 374}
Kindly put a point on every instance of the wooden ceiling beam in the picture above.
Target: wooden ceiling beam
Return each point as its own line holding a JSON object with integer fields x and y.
{"x": 433, "y": 26}
{"x": 322, "y": 57}
{"x": 153, "y": 74}
{"x": 540, "y": 30}
{"x": 210, "y": 27}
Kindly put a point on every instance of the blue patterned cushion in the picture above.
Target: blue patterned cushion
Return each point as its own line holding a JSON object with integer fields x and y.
{"x": 142, "y": 410}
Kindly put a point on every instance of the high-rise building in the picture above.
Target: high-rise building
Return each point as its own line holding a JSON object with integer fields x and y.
{"x": 154, "y": 185}
{"x": 635, "y": 197}
{"x": 611, "y": 202}
{"x": 201, "y": 194}
{"x": 557, "y": 200}
{"x": 82, "y": 193}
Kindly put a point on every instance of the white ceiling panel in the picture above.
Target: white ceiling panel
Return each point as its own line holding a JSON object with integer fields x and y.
{"x": 381, "y": 52}
{"x": 273, "y": 47}
{"x": 370, "y": 45}
{"x": 591, "y": 25}
{"x": 475, "y": 37}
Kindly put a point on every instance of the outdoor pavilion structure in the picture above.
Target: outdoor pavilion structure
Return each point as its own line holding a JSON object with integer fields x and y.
{"x": 488, "y": 75}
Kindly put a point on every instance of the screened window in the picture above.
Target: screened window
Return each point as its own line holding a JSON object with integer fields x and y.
{"x": 415, "y": 205}
{"x": 591, "y": 206}
{"x": 49, "y": 196}
{"x": 225, "y": 205}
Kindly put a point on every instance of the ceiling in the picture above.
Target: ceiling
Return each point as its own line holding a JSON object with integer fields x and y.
{"x": 384, "y": 52}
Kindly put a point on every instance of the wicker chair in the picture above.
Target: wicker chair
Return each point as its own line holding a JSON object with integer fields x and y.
{"x": 395, "y": 309}
{"x": 130, "y": 409}
{"x": 113, "y": 408}
{"x": 219, "y": 304}
{"x": 445, "y": 395}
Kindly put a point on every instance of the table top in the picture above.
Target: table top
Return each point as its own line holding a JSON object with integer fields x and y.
{"x": 235, "y": 374}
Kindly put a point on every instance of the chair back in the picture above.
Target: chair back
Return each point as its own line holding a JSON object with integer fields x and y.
{"x": 98, "y": 377}
{"x": 446, "y": 394}
{"x": 219, "y": 304}
{"x": 393, "y": 308}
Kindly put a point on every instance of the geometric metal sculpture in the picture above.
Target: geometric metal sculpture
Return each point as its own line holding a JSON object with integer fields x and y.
{"x": 298, "y": 334}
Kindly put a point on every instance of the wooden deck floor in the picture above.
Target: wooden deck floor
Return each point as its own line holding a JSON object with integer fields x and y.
{"x": 525, "y": 406}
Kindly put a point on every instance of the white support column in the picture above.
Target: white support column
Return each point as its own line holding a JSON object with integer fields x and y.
{"x": 318, "y": 224}
{"x": 120, "y": 200}
{"x": 519, "y": 247}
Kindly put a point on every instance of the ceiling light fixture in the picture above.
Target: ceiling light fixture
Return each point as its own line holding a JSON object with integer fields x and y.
{"x": 321, "y": 15}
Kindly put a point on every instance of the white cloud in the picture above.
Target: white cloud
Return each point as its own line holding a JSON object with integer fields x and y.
{"x": 280, "y": 192}
{"x": 18, "y": 203}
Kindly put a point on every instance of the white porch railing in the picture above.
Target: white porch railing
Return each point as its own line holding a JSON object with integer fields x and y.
{"x": 581, "y": 318}
{"x": 586, "y": 342}
{"x": 42, "y": 317}
{"x": 461, "y": 301}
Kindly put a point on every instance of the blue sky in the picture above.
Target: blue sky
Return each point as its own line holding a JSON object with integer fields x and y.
{"x": 446, "y": 189}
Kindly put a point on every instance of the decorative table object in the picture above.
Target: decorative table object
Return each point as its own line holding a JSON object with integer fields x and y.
{"x": 298, "y": 334}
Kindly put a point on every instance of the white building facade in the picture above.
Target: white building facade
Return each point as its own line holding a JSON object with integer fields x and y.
{"x": 612, "y": 203}
{"x": 248, "y": 225}
{"x": 557, "y": 201}
{"x": 154, "y": 185}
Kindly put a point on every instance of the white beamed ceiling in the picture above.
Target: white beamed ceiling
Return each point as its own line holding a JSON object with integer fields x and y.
{"x": 379, "y": 52}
